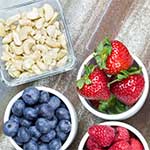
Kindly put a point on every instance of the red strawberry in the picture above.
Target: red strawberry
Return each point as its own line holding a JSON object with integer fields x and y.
{"x": 95, "y": 103}
{"x": 120, "y": 145}
{"x": 128, "y": 90}
{"x": 122, "y": 134}
{"x": 102, "y": 134}
{"x": 90, "y": 144}
{"x": 113, "y": 56}
{"x": 136, "y": 144}
{"x": 93, "y": 85}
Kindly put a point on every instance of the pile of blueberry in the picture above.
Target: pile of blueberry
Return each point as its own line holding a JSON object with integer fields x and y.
{"x": 39, "y": 121}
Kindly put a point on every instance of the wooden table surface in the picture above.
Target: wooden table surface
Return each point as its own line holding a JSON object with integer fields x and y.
{"x": 89, "y": 21}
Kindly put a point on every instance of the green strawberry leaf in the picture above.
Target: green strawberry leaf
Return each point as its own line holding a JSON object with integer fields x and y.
{"x": 80, "y": 83}
{"x": 102, "y": 51}
{"x": 105, "y": 105}
{"x": 88, "y": 81}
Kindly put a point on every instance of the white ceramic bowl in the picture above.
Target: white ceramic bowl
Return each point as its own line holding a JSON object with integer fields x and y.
{"x": 70, "y": 107}
{"x": 129, "y": 113}
{"x": 115, "y": 123}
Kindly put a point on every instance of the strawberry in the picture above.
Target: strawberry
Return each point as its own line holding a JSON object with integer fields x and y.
{"x": 122, "y": 134}
{"x": 136, "y": 144}
{"x": 113, "y": 56}
{"x": 94, "y": 103}
{"x": 93, "y": 85}
{"x": 102, "y": 134}
{"x": 120, "y": 145}
{"x": 128, "y": 90}
{"x": 90, "y": 144}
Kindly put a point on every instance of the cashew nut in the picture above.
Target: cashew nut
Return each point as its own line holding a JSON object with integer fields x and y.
{"x": 16, "y": 39}
{"x": 53, "y": 43}
{"x": 25, "y": 22}
{"x": 27, "y": 63}
{"x": 51, "y": 30}
{"x": 39, "y": 23}
{"x": 62, "y": 61}
{"x": 49, "y": 12}
{"x": 2, "y": 30}
{"x": 12, "y": 19}
{"x": 34, "y": 14}
{"x": 27, "y": 45}
{"x": 7, "y": 39}
{"x": 24, "y": 31}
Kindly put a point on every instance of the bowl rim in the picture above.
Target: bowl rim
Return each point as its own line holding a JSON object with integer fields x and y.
{"x": 117, "y": 123}
{"x": 73, "y": 114}
{"x": 129, "y": 113}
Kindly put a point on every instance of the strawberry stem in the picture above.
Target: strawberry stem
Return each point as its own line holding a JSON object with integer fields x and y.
{"x": 125, "y": 74}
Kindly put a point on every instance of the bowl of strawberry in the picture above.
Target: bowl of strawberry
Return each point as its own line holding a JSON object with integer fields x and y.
{"x": 113, "y": 135}
{"x": 40, "y": 118}
{"x": 112, "y": 83}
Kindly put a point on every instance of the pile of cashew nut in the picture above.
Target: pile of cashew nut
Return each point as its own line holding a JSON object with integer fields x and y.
{"x": 33, "y": 42}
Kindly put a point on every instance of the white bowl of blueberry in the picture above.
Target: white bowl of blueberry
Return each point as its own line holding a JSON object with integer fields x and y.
{"x": 40, "y": 118}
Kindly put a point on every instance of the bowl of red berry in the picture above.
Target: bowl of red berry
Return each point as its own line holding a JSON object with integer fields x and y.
{"x": 40, "y": 118}
{"x": 112, "y": 83}
{"x": 113, "y": 135}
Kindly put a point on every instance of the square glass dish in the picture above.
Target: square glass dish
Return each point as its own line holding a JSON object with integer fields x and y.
{"x": 25, "y": 7}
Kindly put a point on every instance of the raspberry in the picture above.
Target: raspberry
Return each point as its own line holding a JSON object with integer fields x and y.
{"x": 90, "y": 144}
{"x": 120, "y": 145}
{"x": 136, "y": 144}
{"x": 122, "y": 134}
{"x": 102, "y": 134}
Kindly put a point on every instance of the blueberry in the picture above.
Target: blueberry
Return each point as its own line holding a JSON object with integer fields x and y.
{"x": 62, "y": 136}
{"x": 34, "y": 139}
{"x": 15, "y": 118}
{"x": 62, "y": 113}
{"x": 34, "y": 132}
{"x": 10, "y": 128}
{"x": 48, "y": 137}
{"x": 43, "y": 125}
{"x": 63, "y": 105}
{"x": 31, "y": 95}
{"x": 53, "y": 122}
{"x": 23, "y": 134}
{"x": 37, "y": 107}
{"x": 44, "y": 97}
{"x": 25, "y": 123}
{"x": 54, "y": 102}
{"x": 18, "y": 108}
{"x": 31, "y": 145}
{"x": 46, "y": 111}
{"x": 30, "y": 113}
{"x": 55, "y": 144}
{"x": 43, "y": 147}
{"x": 65, "y": 126}
{"x": 17, "y": 140}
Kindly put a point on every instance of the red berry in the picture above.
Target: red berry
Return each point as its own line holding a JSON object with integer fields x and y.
{"x": 98, "y": 88}
{"x": 122, "y": 134}
{"x": 136, "y": 144}
{"x": 90, "y": 144}
{"x": 119, "y": 59}
{"x": 94, "y": 103}
{"x": 120, "y": 145}
{"x": 102, "y": 134}
{"x": 128, "y": 90}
